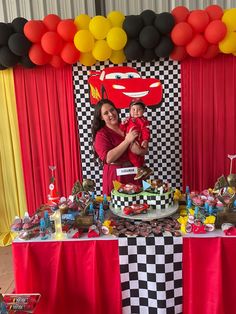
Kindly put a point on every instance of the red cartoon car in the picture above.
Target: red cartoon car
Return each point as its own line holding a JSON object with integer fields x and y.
{"x": 130, "y": 188}
{"x": 123, "y": 84}
{"x": 135, "y": 209}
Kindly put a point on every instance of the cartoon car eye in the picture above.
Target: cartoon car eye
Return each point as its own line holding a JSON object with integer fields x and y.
{"x": 132, "y": 75}
{"x": 115, "y": 76}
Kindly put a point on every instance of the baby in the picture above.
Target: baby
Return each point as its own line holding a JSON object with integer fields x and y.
{"x": 138, "y": 122}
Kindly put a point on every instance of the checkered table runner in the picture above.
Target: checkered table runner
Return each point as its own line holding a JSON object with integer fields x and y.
{"x": 151, "y": 274}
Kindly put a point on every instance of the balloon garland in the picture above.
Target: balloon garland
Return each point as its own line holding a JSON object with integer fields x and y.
{"x": 147, "y": 36}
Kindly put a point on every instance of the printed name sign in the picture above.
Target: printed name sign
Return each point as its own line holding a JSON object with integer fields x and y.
{"x": 125, "y": 171}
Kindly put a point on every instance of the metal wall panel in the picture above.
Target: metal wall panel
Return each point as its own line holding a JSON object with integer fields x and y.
{"x": 38, "y": 9}
{"x": 137, "y": 6}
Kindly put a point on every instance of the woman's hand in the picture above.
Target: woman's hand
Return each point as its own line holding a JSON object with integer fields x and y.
{"x": 137, "y": 149}
{"x": 131, "y": 135}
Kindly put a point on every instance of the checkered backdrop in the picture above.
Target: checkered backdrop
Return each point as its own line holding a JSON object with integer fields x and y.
{"x": 151, "y": 274}
{"x": 164, "y": 155}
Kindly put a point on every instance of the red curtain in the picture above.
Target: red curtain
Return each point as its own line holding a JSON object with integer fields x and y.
{"x": 208, "y": 119}
{"x": 209, "y": 274}
{"x": 48, "y": 131}
{"x": 73, "y": 277}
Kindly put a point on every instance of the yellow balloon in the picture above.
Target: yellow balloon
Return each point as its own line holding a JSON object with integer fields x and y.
{"x": 87, "y": 58}
{"x": 229, "y": 18}
{"x": 228, "y": 44}
{"x": 84, "y": 40}
{"x": 116, "y": 18}
{"x": 99, "y": 26}
{"x": 101, "y": 50}
{"x": 82, "y": 21}
{"x": 117, "y": 56}
{"x": 116, "y": 38}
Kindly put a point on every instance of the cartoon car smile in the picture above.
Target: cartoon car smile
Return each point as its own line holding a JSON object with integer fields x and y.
{"x": 123, "y": 84}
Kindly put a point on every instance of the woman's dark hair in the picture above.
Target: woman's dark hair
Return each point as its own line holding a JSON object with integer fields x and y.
{"x": 98, "y": 123}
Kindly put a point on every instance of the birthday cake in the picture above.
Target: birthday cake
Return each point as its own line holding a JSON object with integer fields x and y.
{"x": 158, "y": 201}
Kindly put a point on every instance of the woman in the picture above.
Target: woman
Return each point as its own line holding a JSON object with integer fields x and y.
{"x": 111, "y": 144}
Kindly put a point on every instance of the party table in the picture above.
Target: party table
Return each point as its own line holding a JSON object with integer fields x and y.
{"x": 71, "y": 276}
{"x": 106, "y": 275}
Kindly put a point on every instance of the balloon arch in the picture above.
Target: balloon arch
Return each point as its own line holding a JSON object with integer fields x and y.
{"x": 148, "y": 36}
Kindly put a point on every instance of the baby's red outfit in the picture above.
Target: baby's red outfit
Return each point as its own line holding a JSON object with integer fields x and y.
{"x": 142, "y": 126}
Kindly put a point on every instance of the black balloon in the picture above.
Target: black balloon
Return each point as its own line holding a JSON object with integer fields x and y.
{"x": 132, "y": 25}
{"x": 149, "y": 37}
{"x": 18, "y": 24}
{"x": 148, "y": 17}
{"x": 149, "y": 55}
{"x": 133, "y": 50}
{"x": 19, "y": 44}
{"x": 165, "y": 47}
{"x": 164, "y": 22}
{"x": 5, "y": 33}
{"x": 8, "y": 58}
{"x": 26, "y": 62}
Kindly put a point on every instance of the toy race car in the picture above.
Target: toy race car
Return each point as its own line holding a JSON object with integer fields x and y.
{"x": 130, "y": 189}
{"x": 135, "y": 209}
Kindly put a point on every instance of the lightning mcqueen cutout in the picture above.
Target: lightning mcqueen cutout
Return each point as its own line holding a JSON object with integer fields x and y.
{"x": 123, "y": 84}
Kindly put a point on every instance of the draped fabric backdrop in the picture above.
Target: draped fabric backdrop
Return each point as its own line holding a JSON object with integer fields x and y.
{"x": 12, "y": 192}
{"x": 48, "y": 131}
{"x": 208, "y": 119}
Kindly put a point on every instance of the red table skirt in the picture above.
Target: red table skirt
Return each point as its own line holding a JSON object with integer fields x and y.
{"x": 209, "y": 275}
{"x": 76, "y": 277}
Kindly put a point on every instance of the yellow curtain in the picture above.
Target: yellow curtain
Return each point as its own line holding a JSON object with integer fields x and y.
{"x": 12, "y": 191}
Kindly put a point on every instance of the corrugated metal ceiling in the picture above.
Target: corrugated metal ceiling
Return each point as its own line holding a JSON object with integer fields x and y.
{"x": 38, "y": 9}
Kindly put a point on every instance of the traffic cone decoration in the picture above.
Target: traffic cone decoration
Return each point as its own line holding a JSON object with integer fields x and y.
{"x": 53, "y": 197}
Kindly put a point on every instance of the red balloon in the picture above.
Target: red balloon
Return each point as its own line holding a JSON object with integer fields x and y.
{"x": 215, "y": 12}
{"x": 57, "y": 62}
{"x": 67, "y": 29}
{"x": 179, "y": 53}
{"x": 51, "y": 21}
{"x": 199, "y": 20}
{"x": 180, "y": 14}
{"x": 197, "y": 47}
{"x": 211, "y": 52}
{"x": 34, "y": 30}
{"x": 70, "y": 54}
{"x": 181, "y": 34}
{"x": 215, "y": 31}
{"x": 52, "y": 43}
{"x": 38, "y": 56}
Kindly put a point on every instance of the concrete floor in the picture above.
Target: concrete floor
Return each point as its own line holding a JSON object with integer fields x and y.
{"x": 6, "y": 270}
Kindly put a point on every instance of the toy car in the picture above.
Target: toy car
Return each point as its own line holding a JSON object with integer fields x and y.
{"x": 135, "y": 209}
{"x": 121, "y": 84}
{"x": 129, "y": 188}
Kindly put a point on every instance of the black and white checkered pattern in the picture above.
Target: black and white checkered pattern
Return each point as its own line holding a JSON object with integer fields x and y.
{"x": 165, "y": 122}
{"x": 158, "y": 201}
{"x": 151, "y": 275}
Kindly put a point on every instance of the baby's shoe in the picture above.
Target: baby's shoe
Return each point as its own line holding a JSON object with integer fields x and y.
{"x": 140, "y": 173}
{"x": 148, "y": 172}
